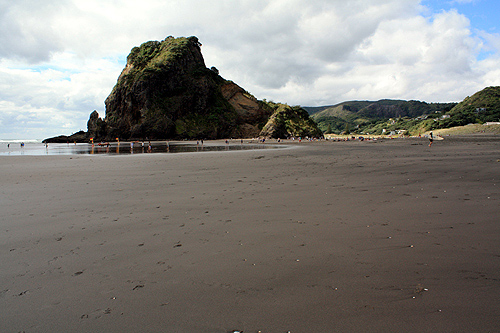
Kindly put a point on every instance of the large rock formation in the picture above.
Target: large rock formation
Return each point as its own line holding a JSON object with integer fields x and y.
{"x": 166, "y": 92}
{"x": 79, "y": 137}
{"x": 96, "y": 127}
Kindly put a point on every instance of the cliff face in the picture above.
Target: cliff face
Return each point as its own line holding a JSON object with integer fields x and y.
{"x": 252, "y": 114}
{"x": 165, "y": 91}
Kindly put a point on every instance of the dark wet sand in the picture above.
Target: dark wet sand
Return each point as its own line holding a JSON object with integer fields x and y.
{"x": 348, "y": 237}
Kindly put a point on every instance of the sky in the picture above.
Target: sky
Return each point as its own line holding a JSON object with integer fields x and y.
{"x": 59, "y": 59}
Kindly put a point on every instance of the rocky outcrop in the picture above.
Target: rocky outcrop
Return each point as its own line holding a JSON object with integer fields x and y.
{"x": 165, "y": 91}
{"x": 79, "y": 137}
{"x": 287, "y": 121}
{"x": 96, "y": 127}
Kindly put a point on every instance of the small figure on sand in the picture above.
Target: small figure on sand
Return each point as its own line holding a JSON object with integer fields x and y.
{"x": 431, "y": 139}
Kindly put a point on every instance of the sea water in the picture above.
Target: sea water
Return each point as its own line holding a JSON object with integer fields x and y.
{"x": 36, "y": 147}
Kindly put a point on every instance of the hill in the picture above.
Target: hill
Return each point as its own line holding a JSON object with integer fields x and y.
{"x": 355, "y": 115}
{"x": 482, "y": 107}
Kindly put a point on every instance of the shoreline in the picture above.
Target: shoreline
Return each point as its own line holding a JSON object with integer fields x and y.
{"x": 128, "y": 148}
{"x": 123, "y": 147}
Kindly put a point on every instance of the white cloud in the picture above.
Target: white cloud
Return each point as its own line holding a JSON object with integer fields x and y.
{"x": 415, "y": 59}
{"x": 492, "y": 41}
{"x": 60, "y": 59}
{"x": 56, "y": 101}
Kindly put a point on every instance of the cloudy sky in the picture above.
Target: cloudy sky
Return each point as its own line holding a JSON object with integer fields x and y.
{"x": 59, "y": 59}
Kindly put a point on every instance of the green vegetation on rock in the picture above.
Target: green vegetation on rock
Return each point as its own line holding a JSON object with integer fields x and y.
{"x": 287, "y": 121}
{"x": 165, "y": 91}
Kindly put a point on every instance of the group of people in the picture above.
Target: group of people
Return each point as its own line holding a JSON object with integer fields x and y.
{"x": 22, "y": 145}
{"x": 142, "y": 145}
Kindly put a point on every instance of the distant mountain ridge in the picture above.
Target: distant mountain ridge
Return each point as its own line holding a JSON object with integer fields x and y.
{"x": 355, "y": 114}
{"x": 409, "y": 117}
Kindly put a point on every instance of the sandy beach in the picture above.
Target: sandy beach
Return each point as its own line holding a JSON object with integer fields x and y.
{"x": 372, "y": 236}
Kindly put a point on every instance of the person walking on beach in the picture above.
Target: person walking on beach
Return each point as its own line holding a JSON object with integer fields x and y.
{"x": 431, "y": 139}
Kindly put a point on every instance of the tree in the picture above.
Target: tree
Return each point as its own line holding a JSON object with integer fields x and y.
{"x": 329, "y": 129}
